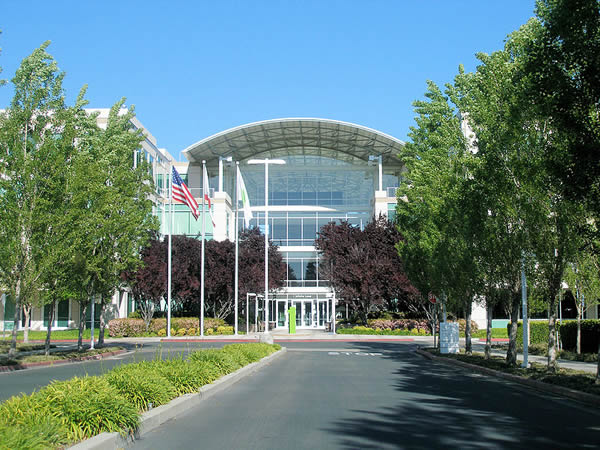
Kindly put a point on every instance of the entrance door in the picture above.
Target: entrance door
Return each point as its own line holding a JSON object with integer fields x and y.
{"x": 281, "y": 313}
{"x": 308, "y": 314}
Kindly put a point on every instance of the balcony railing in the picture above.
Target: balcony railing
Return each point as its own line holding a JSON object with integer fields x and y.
{"x": 307, "y": 283}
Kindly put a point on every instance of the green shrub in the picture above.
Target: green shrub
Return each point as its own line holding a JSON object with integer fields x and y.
{"x": 141, "y": 384}
{"x": 177, "y": 323}
{"x": 212, "y": 322}
{"x": 186, "y": 376}
{"x": 590, "y": 334}
{"x": 88, "y": 406}
{"x": 27, "y": 423}
{"x": 223, "y": 360}
{"x": 538, "y": 332}
{"x": 249, "y": 353}
{"x": 126, "y": 327}
{"x": 134, "y": 315}
{"x": 224, "y": 330}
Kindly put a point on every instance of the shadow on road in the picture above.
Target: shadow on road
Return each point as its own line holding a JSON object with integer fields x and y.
{"x": 445, "y": 407}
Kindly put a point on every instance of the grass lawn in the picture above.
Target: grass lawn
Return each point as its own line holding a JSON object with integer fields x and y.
{"x": 569, "y": 378}
{"x": 497, "y": 333}
{"x": 5, "y": 346}
{"x": 55, "y": 356}
{"x": 542, "y": 350}
{"x": 58, "y": 334}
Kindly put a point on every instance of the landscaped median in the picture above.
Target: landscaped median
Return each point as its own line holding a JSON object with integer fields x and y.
{"x": 124, "y": 400}
{"x": 32, "y": 356}
{"x": 570, "y": 383}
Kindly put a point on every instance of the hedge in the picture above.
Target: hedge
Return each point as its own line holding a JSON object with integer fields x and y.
{"x": 590, "y": 335}
{"x": 66, "y": 412}
{"x": 538, "y": 332}
{"x": 398, "y": 324}
{"x": 179, "y": 326}
{"x": 383, "y": 332}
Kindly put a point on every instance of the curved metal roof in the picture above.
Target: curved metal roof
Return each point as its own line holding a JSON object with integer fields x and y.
{"x": 297, "y": 136}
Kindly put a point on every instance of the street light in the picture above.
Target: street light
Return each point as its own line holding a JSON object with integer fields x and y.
{"x": 379, "y": 160}
{"x": 266, "y": 162}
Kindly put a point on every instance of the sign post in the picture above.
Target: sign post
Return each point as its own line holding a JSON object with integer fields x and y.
{"x": 433, "y": 300}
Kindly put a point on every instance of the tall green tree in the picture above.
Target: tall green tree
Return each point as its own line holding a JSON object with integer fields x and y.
{"x": 29, "y": 130}
{"x": 111, "y": 217}
{"x": 437, "y": 210}
{"x": 562, "y": 66}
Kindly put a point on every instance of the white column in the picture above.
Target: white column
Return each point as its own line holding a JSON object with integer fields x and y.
{"x": 380, "y": 173}
{"x": 220, "y": 174}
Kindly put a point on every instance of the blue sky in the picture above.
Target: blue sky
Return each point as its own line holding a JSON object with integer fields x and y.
{"x": 195, "y": 68}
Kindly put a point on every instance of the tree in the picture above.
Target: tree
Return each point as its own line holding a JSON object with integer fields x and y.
{"x": 562, "y": 67}
{"x": 148, "y": 283}
{"x": 111, "y": 217}
{"x": 219, "y": 276}
{"x": 252, "y": 264}
{"x": 582, "y": 277}
{"x": 439, "y": 209}
{"x": 29, "y": 131}
{"x": 363, "y": 266}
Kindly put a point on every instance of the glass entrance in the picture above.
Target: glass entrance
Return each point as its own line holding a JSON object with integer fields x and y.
{"x": 281, "y": 313}
{"x": 308, "y": 314}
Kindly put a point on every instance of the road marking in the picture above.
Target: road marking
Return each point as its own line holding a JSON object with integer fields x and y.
{"x": 354, "y": 354}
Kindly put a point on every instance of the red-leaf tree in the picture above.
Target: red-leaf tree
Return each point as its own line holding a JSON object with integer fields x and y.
{"x": 220, "y": 270}
{"x": 149, "y": 283}
{"x": 363, "y": 266}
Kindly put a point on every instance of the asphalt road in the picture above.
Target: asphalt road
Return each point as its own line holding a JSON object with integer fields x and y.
{"x": 375, "y": 395}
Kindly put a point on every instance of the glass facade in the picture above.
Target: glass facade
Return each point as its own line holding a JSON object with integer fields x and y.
{"x": 327, "y": 177}
{"x": 292, "y": 228}
{"x": 184, "y": 222}
{"x": 320, "y": 181}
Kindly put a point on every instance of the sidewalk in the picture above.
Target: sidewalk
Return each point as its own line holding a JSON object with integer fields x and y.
{"x": 590, "y": 367}
{"x": 300, "y": 335}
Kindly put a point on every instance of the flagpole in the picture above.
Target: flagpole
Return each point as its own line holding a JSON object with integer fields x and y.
{"x": 169, "y": 252}
{"x": 204, "y": 183}
{"x": 237, "y": 204}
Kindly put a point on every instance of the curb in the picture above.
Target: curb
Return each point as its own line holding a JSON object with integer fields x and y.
{"x": 157, "y": 416}
{"x": 584, "y": 397}
{"x": 16, "y": 367}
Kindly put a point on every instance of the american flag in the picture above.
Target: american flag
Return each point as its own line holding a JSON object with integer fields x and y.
{"x": 182, "y": 194}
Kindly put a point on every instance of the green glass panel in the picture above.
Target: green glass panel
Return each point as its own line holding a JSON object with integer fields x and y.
{"x": 62, "y": 314}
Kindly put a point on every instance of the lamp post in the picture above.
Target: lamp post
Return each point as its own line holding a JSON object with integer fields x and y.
{"x": 379, "y": 159}
{"x": 266, "y": 162}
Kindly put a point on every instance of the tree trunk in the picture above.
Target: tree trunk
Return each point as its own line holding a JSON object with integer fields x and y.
{"x": 511, "y": 354}
{"x": 468, "y": 343}
{"x": 26, "y": 313}
{"x": 13, "y": 340}
{"x": 81, "y": 327}
{"x": 434, "y": 320}
{"x": 49, "y": 330}
{"x": 579, "y": 314}
{"x": 598, "y": 365}
{"x": 488, "y": 329}
{"x": 100, "y": 342}
{"x": 552, "y": 351}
